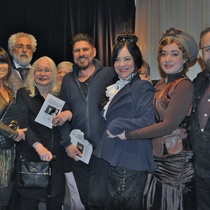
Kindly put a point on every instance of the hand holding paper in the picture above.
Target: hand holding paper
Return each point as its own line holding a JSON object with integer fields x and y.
{"x": 51, "y": 107}
{"x": 77, "y": 138}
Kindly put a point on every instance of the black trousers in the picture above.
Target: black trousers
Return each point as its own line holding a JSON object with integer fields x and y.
{"x": 25, "y": 203}
{"x": 91, "y": 181}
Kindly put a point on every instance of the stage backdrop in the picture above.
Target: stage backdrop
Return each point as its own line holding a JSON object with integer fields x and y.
{"x": 55, "y": 22}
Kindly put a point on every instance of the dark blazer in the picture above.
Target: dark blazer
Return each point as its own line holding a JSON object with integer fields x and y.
{"x": 130, "y": 109}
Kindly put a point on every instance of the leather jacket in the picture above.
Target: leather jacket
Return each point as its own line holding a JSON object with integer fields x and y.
{"x": 200, "y": 139}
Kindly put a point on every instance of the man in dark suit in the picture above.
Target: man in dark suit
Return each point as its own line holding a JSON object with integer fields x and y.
{"x": 21, "y": 47}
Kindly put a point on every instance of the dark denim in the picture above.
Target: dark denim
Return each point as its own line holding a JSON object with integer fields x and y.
{"x": 202, "y": 186}
{"x": 98, "y": 185}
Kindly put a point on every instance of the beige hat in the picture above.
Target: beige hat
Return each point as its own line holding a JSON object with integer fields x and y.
{"x": 185, "y": 39}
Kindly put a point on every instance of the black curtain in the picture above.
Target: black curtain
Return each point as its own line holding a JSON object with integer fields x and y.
{"x": 55, "y": 22}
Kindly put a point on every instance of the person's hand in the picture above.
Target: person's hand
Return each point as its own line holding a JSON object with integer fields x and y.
{"x": 43, "y": 152}
{"x": 21, "y": 134}
{"x": 122, "y": 136}
{"x": 61, "y": 118}
{"x": 110, "y": 135}
{"x": 72, "y": 151}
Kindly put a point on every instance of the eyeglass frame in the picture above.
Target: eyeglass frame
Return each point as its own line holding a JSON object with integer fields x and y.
{"x": 46, "y": 70}
{"x": 204, "y": 48}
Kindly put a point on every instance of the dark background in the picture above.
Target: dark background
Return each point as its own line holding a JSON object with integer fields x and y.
{"x": 55, "y": 22}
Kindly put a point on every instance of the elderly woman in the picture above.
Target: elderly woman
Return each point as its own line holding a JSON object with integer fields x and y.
{"x": 63, "y": 68}
{"x": 41, "y": 142}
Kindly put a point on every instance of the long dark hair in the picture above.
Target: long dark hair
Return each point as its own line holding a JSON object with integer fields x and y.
{"x": 4, "y": 58}
{"x": 129, "y": 40}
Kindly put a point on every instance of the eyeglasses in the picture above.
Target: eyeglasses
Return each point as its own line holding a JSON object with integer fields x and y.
{"x": 206, "y": 50}
{"x": 21, "y": 46}
{"x": 46, "y": 71}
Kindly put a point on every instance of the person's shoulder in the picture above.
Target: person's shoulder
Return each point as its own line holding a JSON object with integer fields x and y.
{"x": 68, "y": 76}
{"x": 183, "y": 85}
{"x": 107, "y": 72}
{"x": 110, "y": 69}
{"x": 99, "y": 66}
{"x": 200, "y": 75}
{"x": 185, "y": 80}
{"x": 22, "y": 91}
{"x": 142, "y": 84}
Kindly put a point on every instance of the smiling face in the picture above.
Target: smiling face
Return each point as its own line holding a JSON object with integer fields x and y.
{"x": 84, "y": 54}
{"x": 124, "y": 64}
{"x": 171, "y": 59}
{"x": 22, "y": 53}
{"x": 4, "y": 68}
{"x": 43, "y": 73}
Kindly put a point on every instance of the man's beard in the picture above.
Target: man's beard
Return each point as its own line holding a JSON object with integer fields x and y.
{"x": 22, "y": 61}
{"x": 83, "y": 67}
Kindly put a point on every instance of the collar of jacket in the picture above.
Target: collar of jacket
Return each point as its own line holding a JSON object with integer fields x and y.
{"x": 96, "y": 63}
{"x": 200, "y": 84}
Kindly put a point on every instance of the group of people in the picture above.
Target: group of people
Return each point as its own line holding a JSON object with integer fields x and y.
{"x": 150, "y": 142}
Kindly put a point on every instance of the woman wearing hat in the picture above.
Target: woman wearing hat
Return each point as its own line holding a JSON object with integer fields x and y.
{"x": 171, "y": 186}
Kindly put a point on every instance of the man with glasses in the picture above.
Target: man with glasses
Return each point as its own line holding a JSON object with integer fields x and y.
{"x": 21, "y": 47}
{"x": 200, "y": 125}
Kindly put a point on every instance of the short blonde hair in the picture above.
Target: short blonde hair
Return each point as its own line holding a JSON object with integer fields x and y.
{"x": 65, "y": 64}
{"x": 30, "y": 83}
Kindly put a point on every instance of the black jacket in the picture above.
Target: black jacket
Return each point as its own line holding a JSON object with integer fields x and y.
{"x": 200, "y": 139}
{"x": 86, "y": 113}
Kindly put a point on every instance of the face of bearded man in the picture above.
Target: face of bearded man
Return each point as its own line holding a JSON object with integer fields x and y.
{"x": 207, "y": 64}
{"x": 84, "y": 54}
{"x": 23, "y": 52}
{"x": 205, "y": 50}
